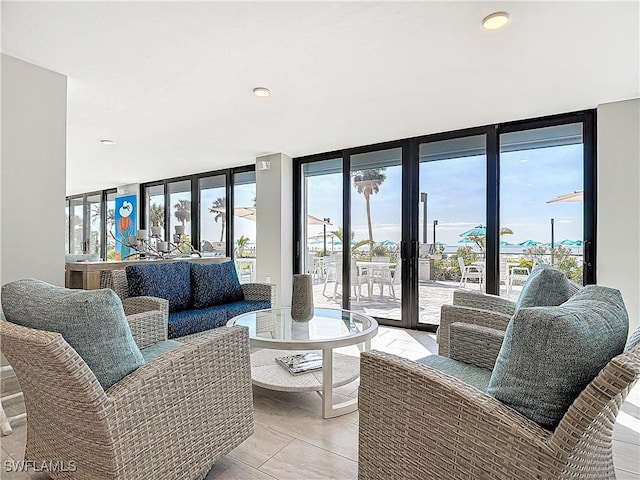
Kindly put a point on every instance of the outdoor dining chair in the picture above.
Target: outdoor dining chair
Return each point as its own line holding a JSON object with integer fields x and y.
{"x": 470, "y": 272}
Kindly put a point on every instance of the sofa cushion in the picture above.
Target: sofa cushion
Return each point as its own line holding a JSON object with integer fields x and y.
{"x": 469, "y": 374}
{"x": 187, "y": 322}
{"x": 546, "y": 286}
{"x": 162, "y": 280}
{"x": 91, "y": 321}
{"x": 215, "y": 284}
{"x": 550, "y": 354}
{"x": 197, "y": 320}
{"x": 238, "y": 308}
{"x": 160, "y": 348}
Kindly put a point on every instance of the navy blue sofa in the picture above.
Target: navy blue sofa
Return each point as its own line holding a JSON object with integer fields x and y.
{"x": 200, "y": 296}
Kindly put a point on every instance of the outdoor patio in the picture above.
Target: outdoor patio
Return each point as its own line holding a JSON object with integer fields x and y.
{"x": 432, "y": 295}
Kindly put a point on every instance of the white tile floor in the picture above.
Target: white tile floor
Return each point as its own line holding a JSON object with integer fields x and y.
{"x": 292, "y": 441}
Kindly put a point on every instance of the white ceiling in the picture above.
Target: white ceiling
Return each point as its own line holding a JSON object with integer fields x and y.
{"x": 171, "y": 82}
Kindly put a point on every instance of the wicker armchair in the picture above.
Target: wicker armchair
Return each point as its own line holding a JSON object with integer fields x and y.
{"x": 478, "y": 321}
{"x": 435, "y": 426}
{"x": 171, "y": 418}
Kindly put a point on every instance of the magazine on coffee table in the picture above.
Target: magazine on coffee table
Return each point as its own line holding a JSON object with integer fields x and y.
{"x": 301, "y": 363}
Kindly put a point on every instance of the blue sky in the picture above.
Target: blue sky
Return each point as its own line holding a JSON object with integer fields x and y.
{"x": 456, "y": 197}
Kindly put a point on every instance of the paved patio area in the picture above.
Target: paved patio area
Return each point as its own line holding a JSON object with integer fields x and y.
{"x": 432, "y": 295}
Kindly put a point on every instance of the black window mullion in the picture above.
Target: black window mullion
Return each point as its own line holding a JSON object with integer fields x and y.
{"x": 590, "y": 197}
{"x": 409, "y": 232}
{"x": 297, "y": 217}
{"x": 229, "y": 206}
{"x": 493, "y": 212}
{"x": 103, "y": 224}
{"x": 167, "y": 212}
{"x": 195, "y": 212}
{"x": 346, "y": 230}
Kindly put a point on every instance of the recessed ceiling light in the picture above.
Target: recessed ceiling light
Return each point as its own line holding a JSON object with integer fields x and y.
{"x": 107, "y": 142}
{"x": 261, "y": 92}
{"x": 495, "y": 21}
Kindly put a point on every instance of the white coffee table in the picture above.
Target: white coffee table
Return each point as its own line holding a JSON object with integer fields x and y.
{"x": 273, "y": 333}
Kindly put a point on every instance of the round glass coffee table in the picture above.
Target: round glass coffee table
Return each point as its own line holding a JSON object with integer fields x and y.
{"x": 274, "y": 334}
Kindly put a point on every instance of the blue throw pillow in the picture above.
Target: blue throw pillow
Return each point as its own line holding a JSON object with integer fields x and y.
{"x": 546, "y": 287}
{"x": 550, "y": 354}
{"x": 170, "y": 281}
{"x": 91, "y": 321}
{"x": 215, "y": 284}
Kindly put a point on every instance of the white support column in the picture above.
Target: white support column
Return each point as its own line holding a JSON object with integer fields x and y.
{"x": 618, "y": 260}
{"x": 274, "y": 229}
{"x": 33, "y": 188}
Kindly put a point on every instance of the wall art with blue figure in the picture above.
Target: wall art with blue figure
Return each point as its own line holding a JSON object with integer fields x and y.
{"x": 126, "y": 215}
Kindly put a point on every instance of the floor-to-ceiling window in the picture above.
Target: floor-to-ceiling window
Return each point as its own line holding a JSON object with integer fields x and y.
{"x": 541, "y": 203}
{"x": 93, "y": 204}
{"x": 376, "y": 232}
{"x": 180, "y": 212}
{"x": 155, "y": 210}
{"x": 110, "y": 225}
{"x": 213, "y": 214}
{"x": 245, "y": 212}
{"x": 321, "y": 219}
{"x": 76, "y": 225}
{"x": 66, "y": 227}
{"x": 474, "y": 209}
{"x": 452, "y": 221}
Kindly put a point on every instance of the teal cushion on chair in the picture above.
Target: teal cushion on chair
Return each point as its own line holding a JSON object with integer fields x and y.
{"x": 91, "y": 321}
{"x": 546, "y": 286}
{"x": 550, "y": 354}
{"x": 469, "y": 374}
{"x": 158, "y": 349}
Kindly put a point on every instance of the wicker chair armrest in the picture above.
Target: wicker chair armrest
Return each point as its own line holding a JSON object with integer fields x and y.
{"x": 143, "y": 304}
{"x": 475, "y": 344}
{"x": 201, "y": 390}
{"x": 484, "y": 301}
{"x": 260, "y": 291}
{"x": 450, "y": 314}
{"x": 440, "y": 427}
{"x": 148, "y": 328}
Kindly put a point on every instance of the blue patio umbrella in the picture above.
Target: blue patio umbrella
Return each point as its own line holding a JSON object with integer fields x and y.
{"x": 571, "y": 243}
{"x": 387, "y": 243}
{"x": 529, "y": 243}
{"x": 477, "y": 231}
{"x": 466, "y": 240}
{"x": 504, "y": 243}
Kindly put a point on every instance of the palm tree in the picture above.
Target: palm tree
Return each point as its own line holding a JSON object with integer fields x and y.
{"x": 156, "y": 214}
{"x": 367, "y": 183}
{"x": 183, "y": 211}
{"x": 217, "y": 208}
{"x": 242, "y": 243}
{"x": 339, "y": 234}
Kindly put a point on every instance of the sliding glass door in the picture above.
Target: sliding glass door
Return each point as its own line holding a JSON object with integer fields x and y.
{"x": 375, "y": 266}
{"x": 541, "y": 198}
{"x": 452, "y": 221}
{"x": 322, "y": 227}
{"x": 475, "y": 209}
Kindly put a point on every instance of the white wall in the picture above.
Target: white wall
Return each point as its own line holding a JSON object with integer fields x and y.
{"x": 618, "y": 223}
{"x": 32, "y": 193}
{"x": 274, "y": 229}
